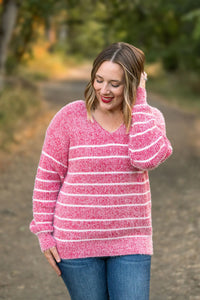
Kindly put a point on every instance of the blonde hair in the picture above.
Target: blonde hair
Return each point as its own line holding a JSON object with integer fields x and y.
{"x": 131, "y": 59}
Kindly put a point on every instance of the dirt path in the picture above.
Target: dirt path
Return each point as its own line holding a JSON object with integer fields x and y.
{"x": 175, "y": 195}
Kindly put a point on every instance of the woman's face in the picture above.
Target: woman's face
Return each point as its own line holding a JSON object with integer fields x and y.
{"x": 109, "y": 86}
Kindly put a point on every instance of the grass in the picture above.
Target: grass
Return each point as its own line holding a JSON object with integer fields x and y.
{"x": 180, "y": 89}
{"x": 18, "y": 106}
{"x": 20, "y": 101}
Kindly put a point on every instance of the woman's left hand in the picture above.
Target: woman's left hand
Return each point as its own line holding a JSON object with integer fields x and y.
{"x": 143, "y": 80}
{"x": 52, "y": 256}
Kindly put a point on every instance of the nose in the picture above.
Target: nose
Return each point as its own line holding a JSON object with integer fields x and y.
{"x": 105, "y": 89}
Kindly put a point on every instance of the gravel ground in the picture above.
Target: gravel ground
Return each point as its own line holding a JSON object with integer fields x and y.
{"x": 25, "y": 273}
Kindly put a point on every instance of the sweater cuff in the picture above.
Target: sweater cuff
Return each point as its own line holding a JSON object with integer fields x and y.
{"x": 141, "y": 96}
{"x": 46, "y": 241}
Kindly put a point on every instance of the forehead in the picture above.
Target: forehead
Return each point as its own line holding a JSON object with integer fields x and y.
{"x": 110, "y": 70}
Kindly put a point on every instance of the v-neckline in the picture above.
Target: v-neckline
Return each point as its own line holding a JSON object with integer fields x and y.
{"x": 107, "y": 131}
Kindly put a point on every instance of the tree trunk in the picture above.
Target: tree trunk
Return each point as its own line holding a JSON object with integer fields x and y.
{"x": 7, "y": 23}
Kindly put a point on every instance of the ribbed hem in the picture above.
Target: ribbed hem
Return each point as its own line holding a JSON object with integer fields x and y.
{"x": 125, "y": 246}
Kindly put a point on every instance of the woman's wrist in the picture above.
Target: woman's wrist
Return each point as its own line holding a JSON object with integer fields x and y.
{"x": 46, "y": 241}
{"x": 141, "y": 96}
{"x": 143, "y": 80}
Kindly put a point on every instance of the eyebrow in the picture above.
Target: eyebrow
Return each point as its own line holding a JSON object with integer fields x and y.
{"x": 115, "y": 80}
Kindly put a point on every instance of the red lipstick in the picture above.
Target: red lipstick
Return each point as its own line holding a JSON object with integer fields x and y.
{"x": 106, "y": 99}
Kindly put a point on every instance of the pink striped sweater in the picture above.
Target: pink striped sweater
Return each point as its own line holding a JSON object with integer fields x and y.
{"x": 92, "y": 194}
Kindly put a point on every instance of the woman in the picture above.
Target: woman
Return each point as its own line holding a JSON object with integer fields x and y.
{"x": 92, "y": 201}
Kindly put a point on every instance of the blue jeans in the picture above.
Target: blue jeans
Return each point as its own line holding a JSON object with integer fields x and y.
{"x": 101, "y": 278}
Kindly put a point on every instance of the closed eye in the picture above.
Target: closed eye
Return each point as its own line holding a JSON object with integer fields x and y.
{"x": 115, "y": 85}
{"x": 99, "y": 81}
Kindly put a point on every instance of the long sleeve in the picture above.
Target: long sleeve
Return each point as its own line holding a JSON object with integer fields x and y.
{"x": 148, "y": 144}
{"x": 49, "y": 178}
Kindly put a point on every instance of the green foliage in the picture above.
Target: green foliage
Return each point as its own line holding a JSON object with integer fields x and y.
{"x": 180, "y": 88}
{"x": 194, "y": 16}
{"x": 32, "y": 14}
{"x": 158, "y": 27}
{"x": 165, "y": 30}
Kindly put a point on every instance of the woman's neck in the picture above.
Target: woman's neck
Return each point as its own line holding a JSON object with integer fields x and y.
{"x": 109, "y": 120}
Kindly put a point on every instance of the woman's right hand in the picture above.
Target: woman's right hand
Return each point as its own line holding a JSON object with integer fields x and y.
{"x": 52, "y": 256}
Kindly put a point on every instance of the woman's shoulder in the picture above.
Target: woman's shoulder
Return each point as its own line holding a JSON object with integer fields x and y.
{"x": 68, "y": 113}
{"x": 75, "y": 107}
{"x": 71, "y": 109}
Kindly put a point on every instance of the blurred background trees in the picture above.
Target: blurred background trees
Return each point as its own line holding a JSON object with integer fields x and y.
{"x": 7, "y": 22}
{"x": 167, "y": 31}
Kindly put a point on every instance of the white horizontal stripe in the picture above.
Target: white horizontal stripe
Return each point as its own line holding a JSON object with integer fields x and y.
{"x": 98, "y": 157}
{"x": 101, "y": 239}
{"x": 107, "y": 184}
{"x": 149, "y": 146}
{"x": 104, "y": 173}
{"x": 104, "y": 195}
{"x": 147, "y": 160}
{"x": 101, "y": 230}
{"x": 44, "y": 201}
{"x": 42, "y": 213}
{"x": 143, "y": 132}
{"x": 98, "y": 146}
{"x": 39, "y": 190}
{"x": 103, "y": 206}
{"x": 53, "y": 159}
{"x": 139, "y": 105}
{"x": 142, "y": 113}
{"x": 42, "y": 180}
{"x": 48, "y": 171}
{"x": 142, "y": 122}
{"x": 100, "y": 220}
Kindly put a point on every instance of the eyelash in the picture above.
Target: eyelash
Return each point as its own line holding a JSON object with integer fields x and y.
{"x": 100, "y": 81}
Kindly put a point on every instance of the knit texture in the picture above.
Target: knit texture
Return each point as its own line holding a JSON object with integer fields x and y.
{"x": 92, "y": 194}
